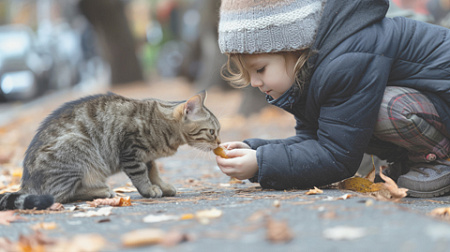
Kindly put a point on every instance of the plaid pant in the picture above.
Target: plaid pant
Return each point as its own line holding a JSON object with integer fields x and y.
{"x": 409, "y": 126}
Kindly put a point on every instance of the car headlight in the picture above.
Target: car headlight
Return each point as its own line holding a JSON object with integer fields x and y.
{"x": 18, "y": 85}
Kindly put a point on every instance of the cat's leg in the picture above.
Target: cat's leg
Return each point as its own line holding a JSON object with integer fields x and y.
{"x": 153, "y": 175}
{"x": 138, "y": 173}
{"x": 86, "y": 193}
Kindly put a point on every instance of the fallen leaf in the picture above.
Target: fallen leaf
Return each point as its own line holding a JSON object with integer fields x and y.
{"x": 344, "y": 233}
{"x": 6, "y": 217}
{"x": 7, "y": 245}
{"x": 258, "y": 215}
{"x": 343, "y": 197}
{"x": 11, "y": 188}
{"x": 209, "y": 214}
{"x": 5, "y": 157}
{"x": 220, "y": 151}
{"x": 35, "y": 242}
{"x": 359, "y": 184}
{"x": 79, "y": 243}
{"x": 56, "y": 207}
{"x": 371, "y": 175}
{"x": 328, "y": 215}
{"x": 441, "y": 212}
{"x": 187, "y": 217}
{"x": 104, "y": 211}
{"x": 160, "y": 218}
{"x": 125, "y": 189}
{"x": 276, "y": 203}
{"x": 391, "y": 186}
{"x": 314, "y": 191}
{"x": 117, "y": 202}
{"x": 278, "y": 231}
{"x": 143, "y": 237}
{"x": 44, "y": 226}
{"x": 174, "y": 237}
{"x": 234, "y": 180}
{"x": 104, "y": 220}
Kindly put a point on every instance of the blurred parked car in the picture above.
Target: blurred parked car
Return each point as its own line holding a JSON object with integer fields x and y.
{"x": 24, "y": 72}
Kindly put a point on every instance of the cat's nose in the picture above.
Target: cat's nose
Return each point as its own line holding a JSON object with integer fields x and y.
{"x": 218, "y": 141}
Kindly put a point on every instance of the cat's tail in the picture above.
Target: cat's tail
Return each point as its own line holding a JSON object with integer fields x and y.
{"x": 11, "y": 201}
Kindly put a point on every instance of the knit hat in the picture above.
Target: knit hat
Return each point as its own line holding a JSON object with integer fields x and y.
{"x": 263, "y": 26}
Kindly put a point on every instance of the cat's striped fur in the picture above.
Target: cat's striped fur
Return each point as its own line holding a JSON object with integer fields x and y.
{"x": 85, "y": 141}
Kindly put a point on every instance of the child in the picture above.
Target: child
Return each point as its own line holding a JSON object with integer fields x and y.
{"x": 355, "y": 82}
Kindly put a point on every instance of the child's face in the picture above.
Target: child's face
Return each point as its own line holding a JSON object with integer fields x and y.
{"x": 273, "y": 74}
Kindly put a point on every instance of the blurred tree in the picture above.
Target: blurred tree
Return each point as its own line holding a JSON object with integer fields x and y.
{"x": 111, "y": 25}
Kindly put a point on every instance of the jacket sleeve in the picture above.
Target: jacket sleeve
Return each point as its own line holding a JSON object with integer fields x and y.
{"x": 302, "y": 134}
{"x": 347, "y": 96}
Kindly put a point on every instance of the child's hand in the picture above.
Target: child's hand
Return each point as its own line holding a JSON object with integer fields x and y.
{"x": 235, "y": 145}
{"x": 241, "y": 162}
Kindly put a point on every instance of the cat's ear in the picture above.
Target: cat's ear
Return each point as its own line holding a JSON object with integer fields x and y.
{"x": 194, "y": 105}
{"x": 190, "y": 109}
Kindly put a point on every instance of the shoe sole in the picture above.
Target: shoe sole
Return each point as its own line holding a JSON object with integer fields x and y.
{"x": 432, "y": 194}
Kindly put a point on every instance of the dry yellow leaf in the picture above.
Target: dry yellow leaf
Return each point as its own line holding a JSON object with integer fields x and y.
{"x": 234, "y": 180}
{"x": 314, "y": 191}
{"x": 391, "y": 186}
{"x": 143, "y": 237}
{"x": 209, "y": 214}
{"x": 359, "y": 184}
{"x": 442, "y": 212}
{"x": 187, "y": 216}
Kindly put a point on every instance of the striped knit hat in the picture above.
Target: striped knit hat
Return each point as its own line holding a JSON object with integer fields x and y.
{"x": 263, "y": 26}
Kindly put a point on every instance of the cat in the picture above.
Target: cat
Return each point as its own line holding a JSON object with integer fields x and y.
{"x": 82, "y": 143}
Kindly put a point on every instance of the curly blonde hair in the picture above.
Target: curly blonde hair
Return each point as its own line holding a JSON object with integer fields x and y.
{"x": 234, "y": 71}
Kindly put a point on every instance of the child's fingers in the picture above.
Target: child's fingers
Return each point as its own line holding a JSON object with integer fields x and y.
{"x": 236, "y": 153}
{"x": 235, "y": 145}
{"x": 225, "y": 166}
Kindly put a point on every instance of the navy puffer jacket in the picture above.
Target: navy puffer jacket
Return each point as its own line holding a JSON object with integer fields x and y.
{"x": 360, "y": 52}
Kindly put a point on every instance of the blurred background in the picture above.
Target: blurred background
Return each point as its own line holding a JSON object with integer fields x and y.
{"x": 51, "y": 45}
{"x": 54, "y": 51}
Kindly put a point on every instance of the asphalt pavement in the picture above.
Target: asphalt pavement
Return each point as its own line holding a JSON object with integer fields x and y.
{"x": 213, "y": 213}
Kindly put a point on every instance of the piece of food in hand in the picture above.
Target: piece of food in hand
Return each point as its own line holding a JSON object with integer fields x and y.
{"x": 220, "y": 151}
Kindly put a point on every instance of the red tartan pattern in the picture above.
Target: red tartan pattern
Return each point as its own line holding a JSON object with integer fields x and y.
{"x": 408, "y": 118}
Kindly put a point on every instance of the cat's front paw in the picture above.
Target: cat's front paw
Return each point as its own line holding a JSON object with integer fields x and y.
{"x": 153, "y": 192}
{"x": 111, "y": 194}
{"x": 168, "y": 189}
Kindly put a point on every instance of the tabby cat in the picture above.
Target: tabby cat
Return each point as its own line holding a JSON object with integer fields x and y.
{"x": 83, "y": 142}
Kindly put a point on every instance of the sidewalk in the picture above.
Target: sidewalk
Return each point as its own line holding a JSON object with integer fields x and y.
{"x": 237, "y": 216}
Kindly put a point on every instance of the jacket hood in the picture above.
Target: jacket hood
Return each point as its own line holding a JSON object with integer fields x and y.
{"x": 343, "y": 18}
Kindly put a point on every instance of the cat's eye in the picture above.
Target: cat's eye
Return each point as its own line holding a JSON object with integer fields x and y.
{"x": 211, "y": 131}
{"x": 261, "y": 70}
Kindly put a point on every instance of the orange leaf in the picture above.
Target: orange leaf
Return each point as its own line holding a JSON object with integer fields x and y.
{"x": 125, "y": 201}
{"x": 220, "y": 151}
